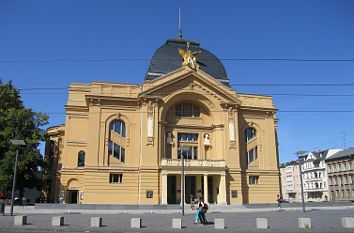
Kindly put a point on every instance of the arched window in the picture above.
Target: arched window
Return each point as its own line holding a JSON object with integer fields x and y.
{"x": 187, "y": 110}
{"x": 251, "y": 145}
{"x": 81, "y": 158}
{"x": 117, "y": 142}
{"x": 250, "y": 133}
{"x": 118, "y": 126}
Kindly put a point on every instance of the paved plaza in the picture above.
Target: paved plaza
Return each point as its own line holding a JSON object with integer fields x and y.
{"x": 323, "y": 220}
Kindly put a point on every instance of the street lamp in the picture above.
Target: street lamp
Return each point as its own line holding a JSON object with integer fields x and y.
{"x": 183, "y": 149}
{"x": 15, "y": 143}
{"x": 302, "y": 185}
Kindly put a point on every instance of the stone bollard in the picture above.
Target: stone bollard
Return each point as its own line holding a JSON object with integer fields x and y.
{"x": 177, "y": 223}
{"x": 20, "y": 220}
{"x": 262, "y": 223}
{"x": 304, "y": 222}
{"x": 135, "y": 223}
{"x": 348, "y": 222}
{"x": 219, "y": 223}
{"x": 96, "y": 221}
{"x": 58, "y": 221}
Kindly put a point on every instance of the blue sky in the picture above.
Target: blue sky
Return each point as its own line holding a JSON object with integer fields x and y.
{"x": 92, "y": 29}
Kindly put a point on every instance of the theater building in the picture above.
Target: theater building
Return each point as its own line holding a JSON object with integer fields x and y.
{"x": 123, "y": 143}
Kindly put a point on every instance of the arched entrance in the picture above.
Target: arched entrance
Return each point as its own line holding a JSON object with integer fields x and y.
{"x": 72, "y": 196}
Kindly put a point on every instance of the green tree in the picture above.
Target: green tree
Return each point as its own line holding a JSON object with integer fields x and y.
{"x": 18, "y": 122}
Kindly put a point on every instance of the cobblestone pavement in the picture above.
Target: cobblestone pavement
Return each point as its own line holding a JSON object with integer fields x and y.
{"x": 284, "y": 221}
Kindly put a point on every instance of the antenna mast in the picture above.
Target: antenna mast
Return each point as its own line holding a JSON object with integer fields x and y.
{"x": 179, "y": 23}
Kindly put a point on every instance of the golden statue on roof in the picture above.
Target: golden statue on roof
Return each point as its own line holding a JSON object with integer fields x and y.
{"x": 189, "y": 57}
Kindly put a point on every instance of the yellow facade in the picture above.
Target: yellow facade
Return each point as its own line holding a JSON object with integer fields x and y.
{"x": 132, "y": 137}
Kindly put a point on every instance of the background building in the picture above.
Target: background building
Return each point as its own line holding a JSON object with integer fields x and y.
{"x": 341, "y": 176}
{"x": 123, "y": 143}
{"x": 290, "y": 181}
{"x": 314, "y": 174}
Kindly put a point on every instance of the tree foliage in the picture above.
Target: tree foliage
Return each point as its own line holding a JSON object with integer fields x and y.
{"x": 18, "y": 122}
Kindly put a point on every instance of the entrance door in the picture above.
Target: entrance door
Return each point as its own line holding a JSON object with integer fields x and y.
{"x": 210, "y": 190}
{"x": 190, "y": 188}
{"x": 171, "y": 189}
{"x": 72, "y": 196}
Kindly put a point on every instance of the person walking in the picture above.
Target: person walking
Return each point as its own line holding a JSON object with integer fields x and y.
{"x": 279, "y": 200}
{"x": 202, "y": 214}
{"x": 199, "y": 205}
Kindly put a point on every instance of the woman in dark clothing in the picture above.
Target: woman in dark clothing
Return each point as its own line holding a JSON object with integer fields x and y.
{"x": 202, "y": 214}
{"x": 279, "y": 200}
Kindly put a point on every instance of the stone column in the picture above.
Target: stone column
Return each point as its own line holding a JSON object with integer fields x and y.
{"x": 205, "y": 188}
{"x": 164, "y": 189}
{"x": 222, "y": 190}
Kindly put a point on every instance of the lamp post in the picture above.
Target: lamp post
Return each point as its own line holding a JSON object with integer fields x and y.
{"x": 182, "y": 188}
{"x": 302, "y": 186}
{"x": 15, "y": 143}
{"x": 182, "y": 149}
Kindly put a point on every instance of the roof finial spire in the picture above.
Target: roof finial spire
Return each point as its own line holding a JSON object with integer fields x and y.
{"x": 179, "y": 22}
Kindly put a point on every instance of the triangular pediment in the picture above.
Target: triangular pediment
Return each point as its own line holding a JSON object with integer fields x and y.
{"x": 189, "y": 80}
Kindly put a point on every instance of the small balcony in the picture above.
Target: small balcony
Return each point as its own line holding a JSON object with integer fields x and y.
{"x": 193, "y": 164}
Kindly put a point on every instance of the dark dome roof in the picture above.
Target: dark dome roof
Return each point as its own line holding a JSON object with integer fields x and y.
{"x": 166, "y": 59}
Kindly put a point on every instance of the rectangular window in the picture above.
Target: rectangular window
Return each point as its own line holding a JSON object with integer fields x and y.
{"x": 187, "y": 145}
{"x": 115, "y": 178}
{"x": 253, "y": 180}
{"x": 252, "y": 155}
{"x": 122, "y": 155}
{"x": 116, "y": 151}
